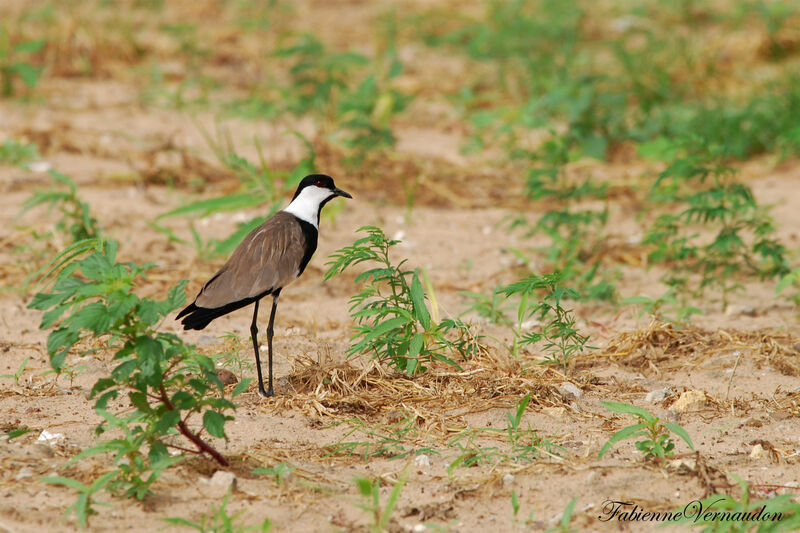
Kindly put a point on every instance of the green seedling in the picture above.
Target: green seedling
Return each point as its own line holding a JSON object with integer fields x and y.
{"x": 561, "y": 340}
{"x": 790, "y": 279}
{"x": 219, "y": 521}
{"x": 83, "y": 508}
{"x": 16, "y": 153}
{"x": 525, "y": 445}
{"x": 723, "y": 513}
{"x": 232, "y": 359}
{"x": 394, "y": 324}
{"x": 18, "y": 374}
{"x": 76, "y": 219}
{"x": 566, "y": 518}
{"x": 493, "y": 308}
{"x": 15, "y": 63}
{"x": 394, "y": 441}
{"x": 370, "y": 491}
{"x": 515, "y": 507}
{"x": 280, "y": 472}
{"x": 657, "y": 439}
{"x": 317, "y": 75}
{"x": 18, "y": 432}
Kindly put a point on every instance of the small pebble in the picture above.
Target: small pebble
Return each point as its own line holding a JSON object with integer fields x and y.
{"x": 570, "y": 391}
{"x": 658, "y": 395}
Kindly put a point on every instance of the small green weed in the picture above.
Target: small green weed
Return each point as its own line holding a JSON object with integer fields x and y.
{"x": 370, "y": 491}
{"x": 394, "y": 441}
{"x": 515, "y": 507}
{"x": 17, "y": 432}
{"x": 525, "y": 445}
{"x": 657, "y": 435}
{"x": 18, "y": 374}
{"x": 15, "y": 63}
{"x": 219, "y": 521}
{"x": 84, "y": 506}
{"x": 394, "y": 324}
{"x": 722, "y": 513}
{"x": 790, "y": 279}
{"x": 561, "y": 339}
{"x": 76, "y": 219}
{"x": 280, "y": 472}
{"x": 17, "y": 153}
{"x": 317, "y": 75}
{"x": 566, "y": 518}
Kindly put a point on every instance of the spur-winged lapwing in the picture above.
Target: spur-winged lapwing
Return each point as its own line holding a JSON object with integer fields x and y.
{"x": 272, "y": 256}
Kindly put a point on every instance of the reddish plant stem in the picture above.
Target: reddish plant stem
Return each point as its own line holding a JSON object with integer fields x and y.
{"x": 202, "y": 445}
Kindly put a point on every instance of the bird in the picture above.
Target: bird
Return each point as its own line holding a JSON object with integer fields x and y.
{"x": 271, "y": 257}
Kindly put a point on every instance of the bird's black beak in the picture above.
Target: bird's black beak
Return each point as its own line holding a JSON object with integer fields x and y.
{"x": 340, "y": 192}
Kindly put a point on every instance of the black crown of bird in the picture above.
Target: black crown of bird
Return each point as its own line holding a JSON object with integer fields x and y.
{"x": 271, "y": 257}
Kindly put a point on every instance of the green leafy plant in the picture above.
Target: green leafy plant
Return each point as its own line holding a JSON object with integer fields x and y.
{"x": 91, "y": 308}
{"x": 232, "y": 359}
{"x": 76, "y": 219}
{"x": 364, "y": 113}
{"x": 370, "y": 491}
{"x": 394, "y": 324}
{"x": 657, "y": 439}
{"x": 219, "y": 521}
{"x": 575, "y": 231}
{"x": 317, "y": 75}
{"x": 17, "y": 153}
{"x": 561, "y": 339}
{"x": 743, "y": 243}
{"x": 15, "y": 62}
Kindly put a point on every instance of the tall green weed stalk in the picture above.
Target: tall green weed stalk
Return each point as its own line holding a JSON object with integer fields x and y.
{"x": 393, "y": 322}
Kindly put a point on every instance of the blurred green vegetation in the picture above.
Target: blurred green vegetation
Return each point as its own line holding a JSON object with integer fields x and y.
{"x": 560, "y": 92}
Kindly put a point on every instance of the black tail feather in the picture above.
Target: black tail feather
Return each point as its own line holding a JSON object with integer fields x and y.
{"x": 195, "y": 317}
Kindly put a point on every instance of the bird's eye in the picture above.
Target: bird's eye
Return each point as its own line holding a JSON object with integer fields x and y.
{"x": 319, "y": 183}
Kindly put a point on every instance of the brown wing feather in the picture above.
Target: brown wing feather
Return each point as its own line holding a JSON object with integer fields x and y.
{"x": 266, "y": 260}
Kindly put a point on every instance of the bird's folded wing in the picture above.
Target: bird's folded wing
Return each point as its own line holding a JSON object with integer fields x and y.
{"x": 266, "y": 260}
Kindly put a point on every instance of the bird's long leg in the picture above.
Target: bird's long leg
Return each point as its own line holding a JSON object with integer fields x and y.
{"x": 270, "y": 333}
{"x": 254, "y": 334}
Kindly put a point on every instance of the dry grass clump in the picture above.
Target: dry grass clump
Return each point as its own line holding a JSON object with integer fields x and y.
{"x": 661, "y": 342}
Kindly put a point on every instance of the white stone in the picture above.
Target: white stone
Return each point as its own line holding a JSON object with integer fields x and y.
{"x": 50, "y": 438}
{"x": 658, "y": 395}
{"x": 422, "y": 461}
{"x": 568, "y": 389}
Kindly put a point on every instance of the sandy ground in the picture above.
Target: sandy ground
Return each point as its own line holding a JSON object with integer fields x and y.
{"x": 744, "y": 359}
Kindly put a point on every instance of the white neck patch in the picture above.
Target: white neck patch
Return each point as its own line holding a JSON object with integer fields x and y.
{"x": 306, "y": 205}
